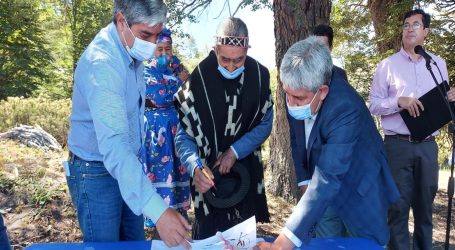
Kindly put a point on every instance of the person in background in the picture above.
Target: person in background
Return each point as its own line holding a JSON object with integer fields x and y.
{"x": 163, "y": 75}
{"x": 4, "y": 241}
{"x": 105, "y": 177}
{"x": 397, "y": 84}
{"x": 345, "y": 154}
{"x": 325, "y": 32}
{"x": 225, "y": 111}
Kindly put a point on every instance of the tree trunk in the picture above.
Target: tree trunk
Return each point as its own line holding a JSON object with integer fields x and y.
{"x": 387, "y": 19}
{"x": 294, "y": 21}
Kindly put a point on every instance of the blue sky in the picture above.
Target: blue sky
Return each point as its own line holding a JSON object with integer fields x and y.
{"x": 260, "y": 29}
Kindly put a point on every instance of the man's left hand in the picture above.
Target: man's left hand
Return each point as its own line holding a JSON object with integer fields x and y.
{"x": 281, "y": 243}
{"x": 226, "y": 161}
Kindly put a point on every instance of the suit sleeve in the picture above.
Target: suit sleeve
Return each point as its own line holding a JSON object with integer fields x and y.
{"x": 338, "y": 131}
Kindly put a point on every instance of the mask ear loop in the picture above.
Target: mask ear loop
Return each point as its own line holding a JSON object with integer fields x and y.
{"x": 123, "y": 34}
{"x": 127, "y": 25}
{"x": 319, "y": 104}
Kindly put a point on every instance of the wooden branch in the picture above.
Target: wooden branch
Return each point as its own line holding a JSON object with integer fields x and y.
{"x": 203, "y": 5}
{"x": 239, "y": 6}
{"x": 224, "y": 6}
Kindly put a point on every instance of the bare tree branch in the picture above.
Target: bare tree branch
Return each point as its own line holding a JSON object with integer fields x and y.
{"x": 224, "y": 7}
{"x": 243, "y": 2}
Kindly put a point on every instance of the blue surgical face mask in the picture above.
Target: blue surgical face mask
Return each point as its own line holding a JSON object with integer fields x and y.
{"x": 230, "y": 75}
{"x": 142, "y": 50}
{"x": 302, "y": 112}
{"x": 163, "y": 61}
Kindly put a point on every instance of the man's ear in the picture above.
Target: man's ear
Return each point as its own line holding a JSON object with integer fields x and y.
{"x": 426, "y": 32}
{"x": 118, "y": 17}
{"x": 324, "y": 91}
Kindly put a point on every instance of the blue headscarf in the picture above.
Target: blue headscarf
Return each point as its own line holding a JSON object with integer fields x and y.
{"x": 165, "y": 36}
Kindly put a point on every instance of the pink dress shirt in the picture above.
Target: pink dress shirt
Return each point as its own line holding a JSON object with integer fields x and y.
{"x": 396, "y": 76}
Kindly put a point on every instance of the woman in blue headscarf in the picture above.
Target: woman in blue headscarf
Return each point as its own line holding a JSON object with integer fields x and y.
{"x": 163, "y": 76}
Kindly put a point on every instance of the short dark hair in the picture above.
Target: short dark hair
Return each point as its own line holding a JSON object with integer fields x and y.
{"x": 426, "y": 18}
{"x": 324, "y": 30}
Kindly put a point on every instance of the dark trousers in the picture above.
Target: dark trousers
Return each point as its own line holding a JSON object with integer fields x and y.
{"x": 414, "y": 167}
{"x": 4, "y": 241}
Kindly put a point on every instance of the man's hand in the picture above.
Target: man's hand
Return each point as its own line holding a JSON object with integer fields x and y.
{"x": 183, "y": 74}
{"x": 281, "y": 243}
{"x": 173, "y": 229}
{"x": 201, "y": 182}
{"x": 411, "y": 104}
{"x": 303, "y": 189}
{"x": 226, "y": 161}
{"x": 451, "y": 95}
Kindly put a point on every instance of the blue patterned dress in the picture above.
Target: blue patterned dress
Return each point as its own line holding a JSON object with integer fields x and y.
{"x": 159, "y": 158}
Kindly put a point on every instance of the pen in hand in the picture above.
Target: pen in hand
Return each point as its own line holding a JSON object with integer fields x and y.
{"x": 206, "y": 174}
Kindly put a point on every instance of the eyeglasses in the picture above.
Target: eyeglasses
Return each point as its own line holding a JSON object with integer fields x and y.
{"x": 415, "y": 26}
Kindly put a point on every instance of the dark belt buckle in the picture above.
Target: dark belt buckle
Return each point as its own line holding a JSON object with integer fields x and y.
{"x": 411, "y": 140}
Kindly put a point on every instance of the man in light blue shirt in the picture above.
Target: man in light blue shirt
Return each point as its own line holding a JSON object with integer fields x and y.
{"x": 105, "y": 178}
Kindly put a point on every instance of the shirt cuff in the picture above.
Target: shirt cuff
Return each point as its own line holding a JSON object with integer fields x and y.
{"x": 303, "y": 183}
{"x": 192, "y": 160}
{"x": 155, "y": 207}
{"x": 394, "y": 104}
{"x": 291, "y": 236}
{"x": 235, "y": 152}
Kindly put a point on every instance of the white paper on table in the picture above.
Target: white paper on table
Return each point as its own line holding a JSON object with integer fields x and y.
{"x": 241, "y": 236}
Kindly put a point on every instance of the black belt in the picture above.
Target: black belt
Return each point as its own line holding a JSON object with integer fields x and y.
{"x": 72, "y": 157}
{"x": 410, "y": 139}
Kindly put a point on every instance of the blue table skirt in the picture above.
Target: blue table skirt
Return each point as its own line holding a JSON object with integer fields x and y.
{"x": 325, "y": 244}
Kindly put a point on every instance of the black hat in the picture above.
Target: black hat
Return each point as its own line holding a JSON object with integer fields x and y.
{"x": 230, "y": 189}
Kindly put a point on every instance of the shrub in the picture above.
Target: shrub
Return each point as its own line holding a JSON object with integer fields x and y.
{"x": 51, "y": 115}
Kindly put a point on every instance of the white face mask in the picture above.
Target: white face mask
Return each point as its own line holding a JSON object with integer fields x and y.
{"x": 141, "y": 50}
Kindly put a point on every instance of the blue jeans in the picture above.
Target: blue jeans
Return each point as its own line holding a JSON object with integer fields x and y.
{"x": 4, "y": 241}
{"x": 101, "y": 211}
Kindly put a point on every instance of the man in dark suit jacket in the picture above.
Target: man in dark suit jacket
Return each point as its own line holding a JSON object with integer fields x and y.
{"x": 330, "y": 225}
{"x": 325, "y": 32}
{"x": 344, "y": 154}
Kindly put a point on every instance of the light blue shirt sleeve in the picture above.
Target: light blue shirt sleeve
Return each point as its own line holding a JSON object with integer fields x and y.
{"x": 296, "y": 241}
{"x": 187, "y": 149}
{"x": 108, "y": 104}
{"x": 253, "y": 139}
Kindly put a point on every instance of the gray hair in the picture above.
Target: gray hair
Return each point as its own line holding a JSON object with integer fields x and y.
{"x": 151, "y": 12}
{"x": 307, "y": 64}
{"x": 232, "y": 26}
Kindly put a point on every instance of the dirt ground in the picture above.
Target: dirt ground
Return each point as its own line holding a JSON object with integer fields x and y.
{"x": 37, "y": 207}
